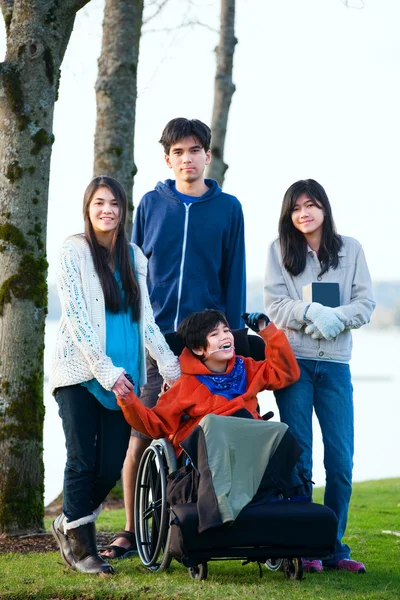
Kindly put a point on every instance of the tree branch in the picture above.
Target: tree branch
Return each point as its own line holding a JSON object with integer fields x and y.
{"x": 80, "y": 4}
{"x": 158, "y": 9}
{"x": 193, "y": 23}
{"x": 7, "y": 7}
{"x": 69, "y": 24}
{"x": 347, "y": 5}
{"x": 6, "y": 4}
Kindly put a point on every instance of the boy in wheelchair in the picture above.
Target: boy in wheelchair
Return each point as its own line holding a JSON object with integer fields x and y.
{"x": 237, "y": 493}
{"x": 214, "y": 380}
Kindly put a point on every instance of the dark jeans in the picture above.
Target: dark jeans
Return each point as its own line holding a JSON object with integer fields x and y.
{"x": 96, "y": 440}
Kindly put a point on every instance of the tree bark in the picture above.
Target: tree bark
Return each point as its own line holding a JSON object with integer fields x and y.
{"x": 116, "y": 92}
{"x": 37, "y": 36}
{"x": 223, "y": 90}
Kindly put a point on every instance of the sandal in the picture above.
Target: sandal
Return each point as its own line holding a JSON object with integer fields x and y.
{"x": 120, "y": 551}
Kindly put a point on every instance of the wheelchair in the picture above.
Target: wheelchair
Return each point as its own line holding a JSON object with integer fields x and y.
{"x": 275, "y": 534}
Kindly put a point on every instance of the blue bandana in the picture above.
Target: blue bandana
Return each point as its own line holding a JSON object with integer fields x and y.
{"x": 231, "y": 384}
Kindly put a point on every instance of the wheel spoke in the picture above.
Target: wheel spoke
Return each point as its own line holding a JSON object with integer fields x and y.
{"x": 147, "y": 513}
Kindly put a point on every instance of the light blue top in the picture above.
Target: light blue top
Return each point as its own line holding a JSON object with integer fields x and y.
{"x": 122, "y": 346}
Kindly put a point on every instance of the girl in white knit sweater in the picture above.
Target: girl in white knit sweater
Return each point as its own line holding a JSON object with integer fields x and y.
{"x": 106, "y": 323}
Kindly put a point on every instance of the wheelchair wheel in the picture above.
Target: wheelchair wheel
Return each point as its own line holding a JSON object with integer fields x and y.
{"x": 199, "y": 571}
{"x": 292, "y": 568}
{"x": 151, "y": 512}
{"x": 274, "y": 564}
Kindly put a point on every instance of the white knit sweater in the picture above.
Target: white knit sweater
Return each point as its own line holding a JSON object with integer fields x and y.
{"x": 81, "y": 340}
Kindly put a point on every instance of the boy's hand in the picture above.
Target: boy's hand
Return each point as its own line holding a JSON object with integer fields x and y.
{"x": 123, "y": 386}
{"x": 255, "y": 321}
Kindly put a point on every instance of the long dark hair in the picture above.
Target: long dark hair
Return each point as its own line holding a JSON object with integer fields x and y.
{"x": 118, "y": 254}
{"x": 293, "y": 243}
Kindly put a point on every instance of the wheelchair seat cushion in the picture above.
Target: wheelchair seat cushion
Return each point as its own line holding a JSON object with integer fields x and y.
{"x": 285, "y": 527}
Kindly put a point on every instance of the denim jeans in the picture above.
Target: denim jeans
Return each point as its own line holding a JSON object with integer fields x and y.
{"x": 325, "y": 387}
{"x": 96, "y": 439}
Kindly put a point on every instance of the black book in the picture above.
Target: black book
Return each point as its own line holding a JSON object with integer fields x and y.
{"x": 324, "y": 292}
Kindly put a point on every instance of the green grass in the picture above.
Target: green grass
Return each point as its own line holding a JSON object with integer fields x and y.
{"x": 375, "y": 507}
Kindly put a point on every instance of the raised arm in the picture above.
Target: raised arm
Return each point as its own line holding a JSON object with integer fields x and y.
{"x": 279, "y": 369}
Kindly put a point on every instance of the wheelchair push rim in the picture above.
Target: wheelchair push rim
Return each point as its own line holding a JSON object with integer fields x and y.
{"x": 151, "y": 510}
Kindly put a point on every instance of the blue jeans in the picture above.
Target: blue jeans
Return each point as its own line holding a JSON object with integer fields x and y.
{"x": 325, "y": 387}
{"x": 96, "y": 439}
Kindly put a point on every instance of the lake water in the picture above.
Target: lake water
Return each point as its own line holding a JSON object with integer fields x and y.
{"x": 376, "y": 381}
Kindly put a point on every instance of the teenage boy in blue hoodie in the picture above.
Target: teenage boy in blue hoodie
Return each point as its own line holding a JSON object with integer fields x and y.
{"x": 193, "y": 236}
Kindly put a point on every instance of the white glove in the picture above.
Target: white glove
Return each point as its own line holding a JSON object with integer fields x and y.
{"x": 315, "y": 333}
{"x": 313, "y": 330}
{"x": 325, "y": 319}
{"x": 339, "y": 313}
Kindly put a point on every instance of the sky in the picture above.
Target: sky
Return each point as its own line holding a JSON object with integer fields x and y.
{"x": 317, "y": 95}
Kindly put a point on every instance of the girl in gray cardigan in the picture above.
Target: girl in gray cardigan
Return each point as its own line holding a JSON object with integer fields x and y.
{"x": 106, "y": 323}
{"x": 309, "y": 250}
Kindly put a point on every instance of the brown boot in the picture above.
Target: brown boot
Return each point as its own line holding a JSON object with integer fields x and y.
{"x": 84, "y": 549}
{"x": 57, "y": 528}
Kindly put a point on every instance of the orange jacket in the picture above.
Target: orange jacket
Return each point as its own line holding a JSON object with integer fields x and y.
{"x": 188, "y": 396}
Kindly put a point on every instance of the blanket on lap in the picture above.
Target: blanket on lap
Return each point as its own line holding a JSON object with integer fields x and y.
{"x": 234, "y": 461}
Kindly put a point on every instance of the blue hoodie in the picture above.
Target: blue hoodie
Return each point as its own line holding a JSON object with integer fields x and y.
{"x": 196, "y": 253}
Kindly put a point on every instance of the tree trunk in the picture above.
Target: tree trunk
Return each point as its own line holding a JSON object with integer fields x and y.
{"x": 223, "y": 90}
{"x": 116, "y": 91}
{"x": 37, "y": 36}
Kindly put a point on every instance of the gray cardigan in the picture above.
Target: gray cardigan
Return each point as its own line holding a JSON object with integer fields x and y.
{"x": 285, "y": 307}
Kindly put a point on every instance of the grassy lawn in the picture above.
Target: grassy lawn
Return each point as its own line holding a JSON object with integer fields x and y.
{"x": 375, "y": 508}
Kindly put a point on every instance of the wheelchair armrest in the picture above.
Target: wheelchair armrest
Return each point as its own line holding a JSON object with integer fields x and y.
{"x": 268, "y": 416}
